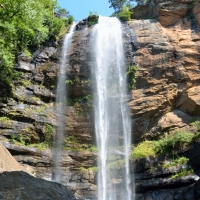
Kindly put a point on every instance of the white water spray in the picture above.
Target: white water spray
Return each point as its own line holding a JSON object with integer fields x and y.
{"x": 60, "y": 109}
{"x": 112, "y": 118}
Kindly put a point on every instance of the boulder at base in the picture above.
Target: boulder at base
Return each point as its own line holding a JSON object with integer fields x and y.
{"x": 8, "y": 162}
{"x": 22, "y": 186}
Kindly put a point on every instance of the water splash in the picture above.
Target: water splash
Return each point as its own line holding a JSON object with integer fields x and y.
{"x": 60, "y": 109}
{"x": 112, "y": 118}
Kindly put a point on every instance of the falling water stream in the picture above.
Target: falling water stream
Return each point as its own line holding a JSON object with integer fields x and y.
{"x": 60, "y": 109}
{"x": 112, "y": 119}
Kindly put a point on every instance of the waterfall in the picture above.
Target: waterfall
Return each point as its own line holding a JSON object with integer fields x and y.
{"x": 60, "y": 109}
{"x": 112, "y": 118}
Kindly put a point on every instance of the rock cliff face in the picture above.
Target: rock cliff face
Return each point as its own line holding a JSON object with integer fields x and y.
{"x": 167, "y": 56}
{"x": 28, "y": 118}
{"x": 166, "y": 51}
{"x": 166, "y": 99}
{"x": 167, "y": 13}
{"x": 167, "y": 78}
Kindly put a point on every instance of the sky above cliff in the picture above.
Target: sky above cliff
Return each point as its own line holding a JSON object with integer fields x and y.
{"x": 80, "y": 8}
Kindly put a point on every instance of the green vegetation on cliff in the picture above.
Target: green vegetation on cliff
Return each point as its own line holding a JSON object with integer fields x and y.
{"x": 144, "y": 149}
{"x": 92, "y": 19}
{"x": 178, "y": 140}
{"x": 122, "y": 9}
{"x": 24, "y": 24}
{"x": 131, "y": 76}
{"x": 118, "y": 5}
{"x": 183, "y": 172}
{"x": 72, "y": 143}
{"x": 124, "y": 14}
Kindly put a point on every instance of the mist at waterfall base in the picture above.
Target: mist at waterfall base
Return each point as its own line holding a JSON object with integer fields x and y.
{"x": 60, "y": 109}
{"x": 112, "y": 118}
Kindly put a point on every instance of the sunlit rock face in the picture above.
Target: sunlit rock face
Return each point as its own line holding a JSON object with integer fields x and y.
{"x": 8, "y": 162}
{"x": 167, "y": 76}
{"x": 167, "y": 13}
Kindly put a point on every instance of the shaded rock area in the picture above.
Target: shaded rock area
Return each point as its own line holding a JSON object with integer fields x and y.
{"x": 196, "y": 11}
{"x": 161, "y": 178}
{"x": 155, "y": 178}
{"x": 20, "y": 185}
{"x": 28, "y": 117}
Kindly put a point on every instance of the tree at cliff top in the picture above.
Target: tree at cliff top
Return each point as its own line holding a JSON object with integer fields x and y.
{"x": 117, "y": 5}
{"x": 25, "y": 23}
{"x": 122, "y": 9}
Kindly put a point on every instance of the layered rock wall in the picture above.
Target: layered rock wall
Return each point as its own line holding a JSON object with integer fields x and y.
{"x": 165, "y": 98}
{"x": 28, "y": 118}
{"x": 167, "y": 78}
{"x": 167, "y": 13}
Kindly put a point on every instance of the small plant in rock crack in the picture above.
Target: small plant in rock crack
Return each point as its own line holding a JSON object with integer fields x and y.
{"x": 86, "y": 170}
{"x": 179, "y": 161}
{"x": 48, "y": 134}
{"x": 182, "y": 172}
{"x": 131, "y": 76}
{"x": 3, "y": 119}
{"x": 19, "y": 139}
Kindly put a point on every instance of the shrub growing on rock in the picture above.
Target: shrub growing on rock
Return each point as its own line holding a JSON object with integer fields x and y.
{"x": 124, "y": 14}
{"x": 24, "y": 24}
{"x": 178, "y": 139}
{"x": 144, "y": 149}
{"x": 170, "y": 143}
{"x": 92, "y": 19}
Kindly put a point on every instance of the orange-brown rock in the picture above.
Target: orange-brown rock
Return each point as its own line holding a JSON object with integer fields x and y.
{"x": 172, "y": 120}
{"x": 167, "y": 78}
{"x": 168, "y": 13}
{"x": 189, "y": 101}
{"x": 8, "y": 162}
